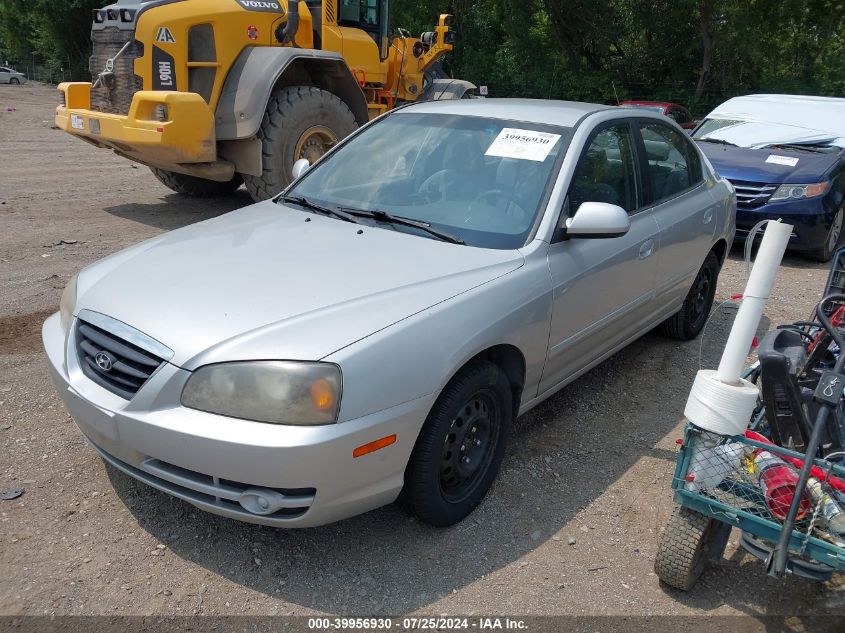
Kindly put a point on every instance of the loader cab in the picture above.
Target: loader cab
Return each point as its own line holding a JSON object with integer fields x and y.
{"x": 371, "y": 16}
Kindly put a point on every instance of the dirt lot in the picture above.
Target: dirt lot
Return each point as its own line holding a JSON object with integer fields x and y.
{"x": 592, "y": 464}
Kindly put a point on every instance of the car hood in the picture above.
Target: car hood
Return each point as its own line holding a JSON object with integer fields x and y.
{"x": 750, "y": 165}
{"x": 270, "y": 282}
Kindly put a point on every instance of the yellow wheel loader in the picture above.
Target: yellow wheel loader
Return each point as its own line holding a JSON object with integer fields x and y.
{"x": 214, "y": 93}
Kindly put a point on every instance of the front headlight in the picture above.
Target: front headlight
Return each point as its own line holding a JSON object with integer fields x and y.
{"x": 68, "y": 303}
{"x": 279, "y": 392}
{"x": 797, "y": 192}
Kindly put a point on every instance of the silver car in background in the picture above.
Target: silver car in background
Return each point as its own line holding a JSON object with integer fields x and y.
{"x": 9, "y": 76}
{"x": 376, "y": 329}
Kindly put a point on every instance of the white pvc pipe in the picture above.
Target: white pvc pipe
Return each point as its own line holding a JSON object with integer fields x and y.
{"x": 754, "y": 299}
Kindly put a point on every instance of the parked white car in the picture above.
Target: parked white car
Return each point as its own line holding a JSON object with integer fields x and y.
{"x": 9, "y": 76}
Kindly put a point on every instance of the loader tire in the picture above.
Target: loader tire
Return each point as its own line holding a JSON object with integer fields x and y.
{"x": 300, "y": 122}
{"x": 682, "y": 554}
{"x": 196, "y": 187}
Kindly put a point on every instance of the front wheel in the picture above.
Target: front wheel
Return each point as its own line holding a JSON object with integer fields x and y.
{"x": 831, "y": 242}
{"x": 196, "y": 187}
{"x": 461, "y": 445}
{"x": 688, "y": 322}
{"x": 684, "y": 548}
{"x": 15, "y": 81}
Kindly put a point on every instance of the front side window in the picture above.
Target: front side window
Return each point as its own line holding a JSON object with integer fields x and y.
{"x": 363, "y": 13}
{"x": 481, "y": 180}
{"x": 606, "y": 171}
{"x": 673, "y": 165}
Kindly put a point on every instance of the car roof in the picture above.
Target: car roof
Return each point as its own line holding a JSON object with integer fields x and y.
{"x": 564, "y": 113}
{"x": 665, "y": 104}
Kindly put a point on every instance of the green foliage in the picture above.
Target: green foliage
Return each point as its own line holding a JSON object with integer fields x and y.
{"x": 595, "y": 50}
{"x": 604, "y": 50}
{"x": 56, "y": 31}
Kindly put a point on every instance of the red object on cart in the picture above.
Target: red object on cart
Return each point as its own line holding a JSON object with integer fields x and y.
{"x": 815, "y": 471}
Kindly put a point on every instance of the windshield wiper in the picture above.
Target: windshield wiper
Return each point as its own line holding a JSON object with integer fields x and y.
{"x": 719, "y": 141}
{"x": 305, "y": 202}
{"x": 384, "y": 216}
{"x": 815, "y": 148}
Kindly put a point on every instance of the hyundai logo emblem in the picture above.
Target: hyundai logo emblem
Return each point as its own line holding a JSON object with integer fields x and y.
{"x": 103, "y": 361}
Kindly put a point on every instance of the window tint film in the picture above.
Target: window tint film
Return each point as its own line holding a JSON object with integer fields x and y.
{"x": 607, "y": 171}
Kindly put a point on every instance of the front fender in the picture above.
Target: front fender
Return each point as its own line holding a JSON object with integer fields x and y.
{"x": 255, "y": 74}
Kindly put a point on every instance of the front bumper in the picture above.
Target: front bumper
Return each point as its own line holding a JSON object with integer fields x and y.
{"x": 810, "y": 219}
{"x": 186, "y": 137}
{"x": 216, "y": 462}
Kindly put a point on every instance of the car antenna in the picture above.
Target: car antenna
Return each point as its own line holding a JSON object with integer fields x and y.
{"x": 614, "y": 92}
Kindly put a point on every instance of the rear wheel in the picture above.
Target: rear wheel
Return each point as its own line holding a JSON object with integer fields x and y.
{"x": 461, "y": 445}
{"x": 196, "y": 187}
{"x": 300, "y": 122}
{"x": 684, "y": 548}
{"x": 831, "y": 242}
{"x": 15, "y": 81}
{"x": 688, "y": 322}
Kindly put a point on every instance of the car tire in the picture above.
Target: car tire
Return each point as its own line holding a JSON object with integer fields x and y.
{"x": 684, "y": 548}
{"x": 460, "y": 447}
{"x": 196, "y": 187}
{"x": 15, "y": 81}
{"x": 300, "y": 122}
{"x": 832, "y": 240}
{"x": 688, "y": 322}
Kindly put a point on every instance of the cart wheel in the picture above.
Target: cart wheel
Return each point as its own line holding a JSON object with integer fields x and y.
{"x": 683, "y": 551}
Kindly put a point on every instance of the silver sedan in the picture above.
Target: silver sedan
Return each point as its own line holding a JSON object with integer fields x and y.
{"x": 374, "y": 331}
{"x": 9, "y": 76}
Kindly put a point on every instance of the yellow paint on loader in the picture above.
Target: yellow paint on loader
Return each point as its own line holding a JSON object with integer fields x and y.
{"x": 196, "y": 44}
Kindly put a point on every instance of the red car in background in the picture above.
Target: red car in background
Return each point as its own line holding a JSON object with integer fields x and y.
{"x": 674, "y": 111}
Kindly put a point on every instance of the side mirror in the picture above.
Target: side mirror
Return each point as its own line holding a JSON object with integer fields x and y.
{"x": 300, "y": 167}
{"x": 598, "y": 220}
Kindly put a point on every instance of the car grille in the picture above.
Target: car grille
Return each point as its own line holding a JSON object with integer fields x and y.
{"x": 113, "y": 363}
{"x": 752, "y": 194}
{"x": 114, "y": 93}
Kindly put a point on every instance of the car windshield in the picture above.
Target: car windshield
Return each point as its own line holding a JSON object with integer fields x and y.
{"x": 708, "y": 126}
{"x": 480, "y": 180}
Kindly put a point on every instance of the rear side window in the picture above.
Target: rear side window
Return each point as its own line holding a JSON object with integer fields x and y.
{"x": 673, "y": 164}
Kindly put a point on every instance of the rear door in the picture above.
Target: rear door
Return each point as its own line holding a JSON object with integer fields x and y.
{"x": 5, "y": 74}
{"x": 602, "y": 287}
{"x": 683, "y": 206}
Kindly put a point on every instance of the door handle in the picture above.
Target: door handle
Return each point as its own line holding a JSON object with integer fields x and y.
{"x": 646, "y": 249}
{"x": 708, "y": 216}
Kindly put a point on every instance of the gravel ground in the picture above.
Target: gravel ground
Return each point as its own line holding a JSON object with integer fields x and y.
{"x": 571, "y": 527}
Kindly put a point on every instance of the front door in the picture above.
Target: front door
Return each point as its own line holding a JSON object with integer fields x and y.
{"x": 602, "y": 287}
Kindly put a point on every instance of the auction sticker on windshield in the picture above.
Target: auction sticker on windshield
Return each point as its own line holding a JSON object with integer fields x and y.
{"x": 523, "y": 144}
